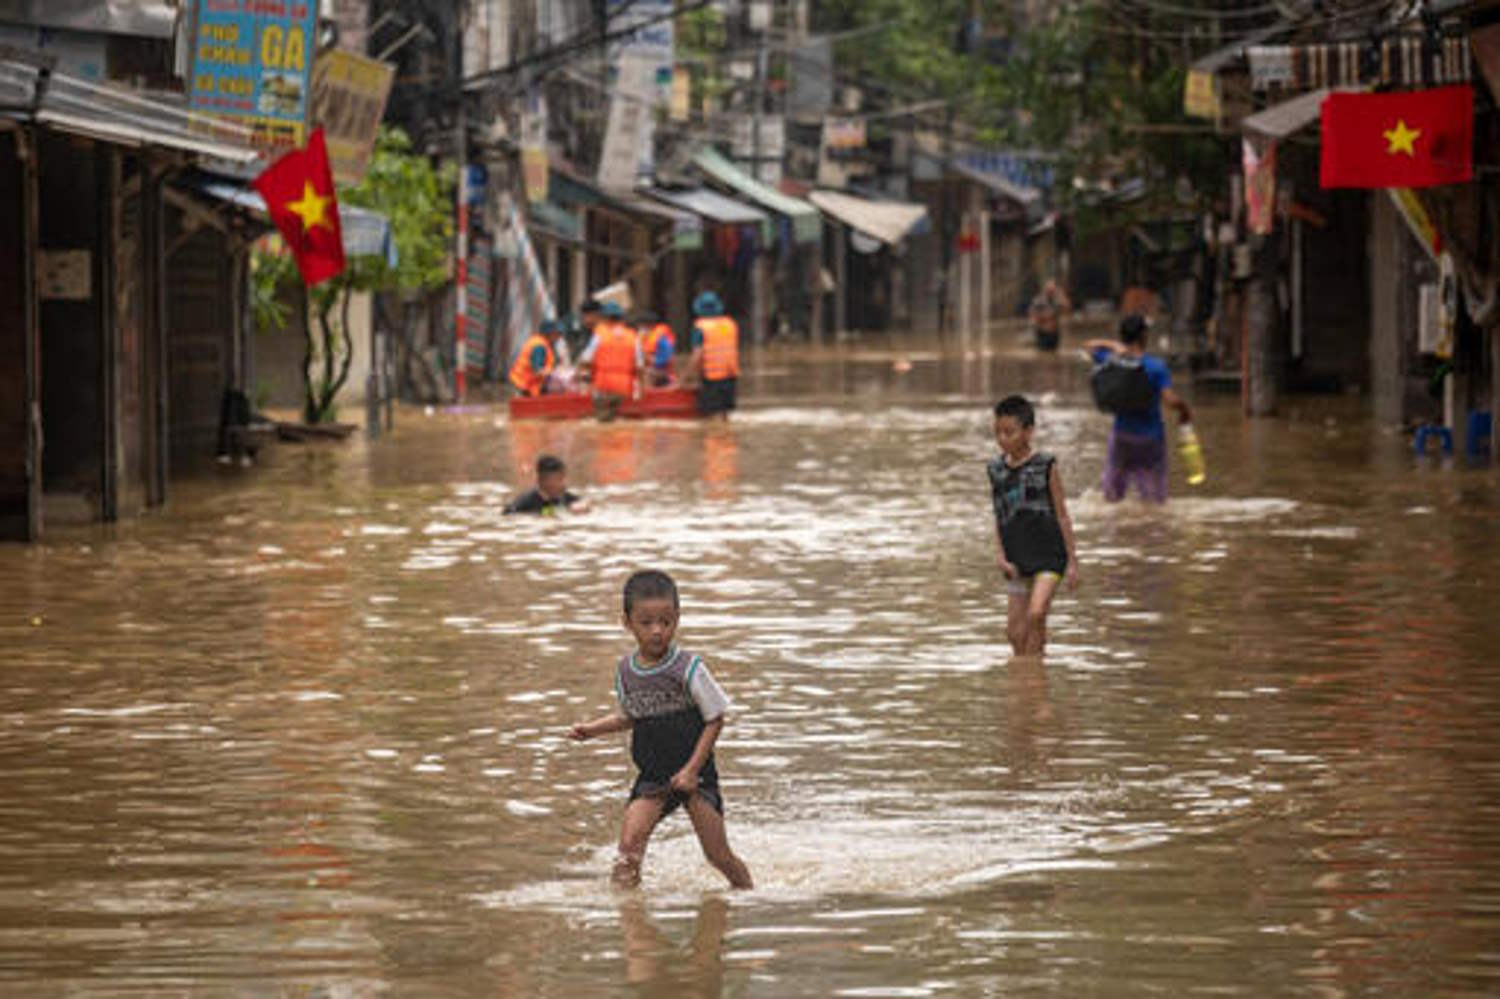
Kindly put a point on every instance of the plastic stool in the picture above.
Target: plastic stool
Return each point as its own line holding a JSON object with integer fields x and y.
{"x": 1480, "y": 427}
{"x": 1433, "y": 430}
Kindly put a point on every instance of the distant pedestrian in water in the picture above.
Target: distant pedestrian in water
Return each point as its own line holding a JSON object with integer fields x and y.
{"x": 1134, "y": 385}
{"x": 1036, "y": 550}
{"x": 715, "y": 359}
{"x": 551, "y": 491}
{"x": 1048, "y": 310}
{"x": 674, "y": 710}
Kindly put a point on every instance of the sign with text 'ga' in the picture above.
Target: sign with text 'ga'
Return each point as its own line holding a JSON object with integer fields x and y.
{"x": 251, "y": 60}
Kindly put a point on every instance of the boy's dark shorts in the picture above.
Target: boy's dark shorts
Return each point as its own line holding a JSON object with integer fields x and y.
{"x": 1047, "y": 340}
{"x": 675, "y": 799}
{"x": 718, "y": 396}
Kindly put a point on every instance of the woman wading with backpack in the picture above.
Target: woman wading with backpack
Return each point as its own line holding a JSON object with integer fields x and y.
{"x": 1134, "y": 386}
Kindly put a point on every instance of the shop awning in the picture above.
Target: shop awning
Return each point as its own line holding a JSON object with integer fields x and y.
{"x": 1027, "y": 197}
{"x": 146, "y": 18}
{"x": 888, "y": 221}
{"x": 807, "y": 225}
{"x": 687, "y": 228}
{"x": 113, "y": 114}
{"x": 366, "y": 233}
{"x": 1281, "y": 120}
{"x": 713, "y": 206}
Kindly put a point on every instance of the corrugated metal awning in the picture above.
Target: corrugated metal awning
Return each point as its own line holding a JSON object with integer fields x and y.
{"x": 807, "y": 224}
{"x": 145, "y": 18}
{"x": 1281, "y": 120}
{"x": 1026, "y": 197}
{"x": 114, "y": 114}
{"x": 366, "y": 233}
{"x": 687, "y": 227}
{"x": 712, "y": 205}
{"x": 888, "y": 221}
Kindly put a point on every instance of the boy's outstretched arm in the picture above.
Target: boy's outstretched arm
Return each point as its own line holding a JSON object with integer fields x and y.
{"x": 1096, "y": 344}
{"x": 610, "y": 723}
{"x": 1065, "y": 523}
{"x": 686, "y": 779}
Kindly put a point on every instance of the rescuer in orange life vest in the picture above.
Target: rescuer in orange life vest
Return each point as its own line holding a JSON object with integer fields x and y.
{"x": 614, "y": 358}
{"x": 658, "y": 348}
{"x": 716, "y": 356}
{"x": 535, "y": 360}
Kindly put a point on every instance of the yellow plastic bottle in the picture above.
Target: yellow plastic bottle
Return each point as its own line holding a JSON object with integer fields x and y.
{"x": 1192, "y": 454}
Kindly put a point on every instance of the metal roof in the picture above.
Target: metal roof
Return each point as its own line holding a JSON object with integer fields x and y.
{"x": 888, "y": 221}
{"x": 146, "y": 18}
{"x": 807, "y": 224}
{"x": 366, "y": 233}
{"x": 31, "y": 91}
{"x": 1281, "y": 120}
{"x": 712, "y": 205}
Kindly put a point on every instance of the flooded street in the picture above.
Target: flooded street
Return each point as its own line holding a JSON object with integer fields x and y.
{"x": 305, "y": 730}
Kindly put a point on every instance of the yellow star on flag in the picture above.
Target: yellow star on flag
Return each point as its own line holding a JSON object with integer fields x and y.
{"x": 1402, "y": 139}
{"x": 313, "y": 208}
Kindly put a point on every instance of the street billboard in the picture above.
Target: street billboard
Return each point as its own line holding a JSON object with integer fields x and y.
{"x": 349, "y": 93}
{"x": 251, "y": 62}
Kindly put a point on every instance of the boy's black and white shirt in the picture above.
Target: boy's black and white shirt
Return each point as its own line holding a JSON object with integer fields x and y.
{"x": 669, "y": 704}
{"x": 1029, "y": 530}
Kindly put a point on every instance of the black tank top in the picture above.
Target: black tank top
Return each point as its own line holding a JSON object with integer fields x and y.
{"x": 1023, "y": 511}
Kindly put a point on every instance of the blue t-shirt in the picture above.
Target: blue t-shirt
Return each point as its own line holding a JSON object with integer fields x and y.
{"x": 663, "y": 357}
{"x": 539, "y": 358}
{"x": 1148, "y": 422}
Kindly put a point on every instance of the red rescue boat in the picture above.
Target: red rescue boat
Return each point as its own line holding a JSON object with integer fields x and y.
{"x": 661, "y": 403}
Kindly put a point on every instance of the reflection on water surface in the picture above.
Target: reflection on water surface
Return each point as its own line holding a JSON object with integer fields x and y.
{"x": 306, "y": 727}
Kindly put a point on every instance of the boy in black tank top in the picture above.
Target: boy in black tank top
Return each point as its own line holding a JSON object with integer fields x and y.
{"x": 1031, "y": 520}
{"x": 674, "y": 710}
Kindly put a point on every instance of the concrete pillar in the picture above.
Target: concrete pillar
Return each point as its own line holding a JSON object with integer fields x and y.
{"x": 1262, "y": 340}
{"x": 1387, "y": 265}
{"x": 840, "y": 278}
{"x": 759, "y": 292}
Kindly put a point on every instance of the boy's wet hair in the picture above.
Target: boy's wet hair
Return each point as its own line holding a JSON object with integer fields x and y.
{"x": 1133, "y": 329}
{"x": 547, "y": 464}
{"x": 649, "y": 584}
{"x": 1018, "y": 407}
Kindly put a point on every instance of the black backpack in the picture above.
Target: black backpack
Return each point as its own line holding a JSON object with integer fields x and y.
{"x": 1121, "y": 385}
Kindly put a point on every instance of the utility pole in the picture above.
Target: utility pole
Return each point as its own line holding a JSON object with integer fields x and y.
{"x": 758, "y": 269}
{"x": 461, "y": 235}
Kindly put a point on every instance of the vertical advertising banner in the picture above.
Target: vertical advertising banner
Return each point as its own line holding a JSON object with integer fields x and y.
{"x": 349, "y": 93}
{"x": 251, "y": 61}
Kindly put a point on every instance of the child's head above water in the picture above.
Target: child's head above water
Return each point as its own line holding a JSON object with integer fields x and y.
{"x": 551, "y": 476}
{"x": 651, "y": 610}
{"x": 1015, "y": 418}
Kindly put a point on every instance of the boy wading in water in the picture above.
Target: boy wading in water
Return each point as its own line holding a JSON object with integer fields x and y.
{"x": 1031, "y": 518}
{"x": 674, "y": 710}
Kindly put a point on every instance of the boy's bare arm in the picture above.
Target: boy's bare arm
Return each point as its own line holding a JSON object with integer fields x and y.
{"x": 1065, "y": 523}
{"x": 610, "y": 723}
{"x": 1113, "y": 346}
{"x": 1178, "y": 403}
{"x": 686, "y": 779}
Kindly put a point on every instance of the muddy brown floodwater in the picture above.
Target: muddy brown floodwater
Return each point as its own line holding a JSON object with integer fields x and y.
{"x": 303, "y": 732}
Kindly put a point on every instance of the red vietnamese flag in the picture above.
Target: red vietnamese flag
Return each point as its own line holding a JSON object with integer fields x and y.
{"x": 1419, "y": 138}
{"x": 298, "y": 189}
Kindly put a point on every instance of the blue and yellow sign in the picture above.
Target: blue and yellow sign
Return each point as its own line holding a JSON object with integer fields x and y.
{"x": 251, "y": 62}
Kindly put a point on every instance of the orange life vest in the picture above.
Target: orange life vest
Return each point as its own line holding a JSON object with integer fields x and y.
{"x": 721, "y": 347}
{"x": 614, "y": 359}
{"x": 523, "y": 376}
{"x": 653, "y": 339}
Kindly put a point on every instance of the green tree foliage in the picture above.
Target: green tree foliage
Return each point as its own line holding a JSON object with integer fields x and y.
{"x": 418, "y": 201}
{"x": 1073, "y": 83}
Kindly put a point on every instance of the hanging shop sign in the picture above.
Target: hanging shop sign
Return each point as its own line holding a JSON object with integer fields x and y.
{"x": 349, "y": 93}
{"x": 253, "y": 66}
